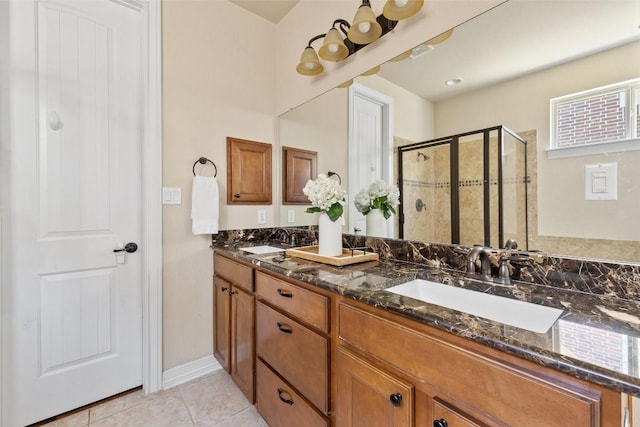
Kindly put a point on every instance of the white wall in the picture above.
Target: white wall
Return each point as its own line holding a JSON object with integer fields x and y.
{"x": 523, "y": 104}
{"x": 218, "y": 81}
{"x": 412, "y": 115}
{"x": 227, "y": 72}
{"x": 319, "y": 125}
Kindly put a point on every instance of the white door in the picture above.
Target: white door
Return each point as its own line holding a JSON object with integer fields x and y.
{"x": 72, "y": 327}
{"x": 370, "y": 145}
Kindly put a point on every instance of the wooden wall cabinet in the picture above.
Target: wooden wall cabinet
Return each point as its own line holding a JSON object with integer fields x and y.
{"x": 234, "y": 340}
{"x": 248, "y": 172}
{"x": 299, "y": 166}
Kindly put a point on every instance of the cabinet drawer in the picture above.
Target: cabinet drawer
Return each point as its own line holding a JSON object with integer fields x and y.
{"x": 235, "y": 272}
{"x": 515, "y": 395}
{"x": 280, "y": 405}
{"x": 300, "y": 355}
{"x": 306, "y": 305}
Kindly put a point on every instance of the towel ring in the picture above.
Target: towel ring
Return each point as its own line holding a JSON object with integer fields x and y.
{"x": 203, "y": 160}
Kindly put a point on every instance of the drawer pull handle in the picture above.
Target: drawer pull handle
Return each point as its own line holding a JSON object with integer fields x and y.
{"x": 440, "y": 423}
{"x": 223, "y": 289}
{"x": 284, "y": 328}
{"x": 287, "y": 401}
{"x": 396, "y": 399}
{"x": 232, "y": 293}
{"x": 285, "y": 294}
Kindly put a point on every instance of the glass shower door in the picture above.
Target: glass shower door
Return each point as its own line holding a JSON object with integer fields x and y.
{"x": 426, "y": 193}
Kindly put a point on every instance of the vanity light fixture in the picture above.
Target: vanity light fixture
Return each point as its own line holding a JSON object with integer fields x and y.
{"x": 366, "y": 28}
{"x": 309, "y": 64}
{"x": 439, "y": 38}
{"x": 371, "y": 72}
{"x": 401, "y": 9}
{"x": 333, "y": 48}
{"x": 402, "y": 56}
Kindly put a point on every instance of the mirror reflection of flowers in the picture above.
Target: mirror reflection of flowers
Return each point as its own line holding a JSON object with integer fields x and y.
{"x": 379, "y": 195}
{"x": 325, "y": 195}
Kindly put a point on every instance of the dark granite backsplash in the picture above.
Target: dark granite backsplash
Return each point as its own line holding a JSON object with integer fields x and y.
{"x": 606, "y": 278}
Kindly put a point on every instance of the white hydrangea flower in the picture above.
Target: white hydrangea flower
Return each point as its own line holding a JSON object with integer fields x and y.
{"x": 379, "y": 195}
{"x": 362, "y": 201}
{"x": 324, "y": 193}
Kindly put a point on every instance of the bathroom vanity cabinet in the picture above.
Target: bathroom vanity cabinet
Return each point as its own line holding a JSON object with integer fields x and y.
{"x": 234, "y": 340}
{"x": 293, "y": 353}
{"x": 432, "y": 378}
{"x": 318, "y": 358}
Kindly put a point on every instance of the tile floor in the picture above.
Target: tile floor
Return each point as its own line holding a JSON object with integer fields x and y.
{"x": 212, "y": 400}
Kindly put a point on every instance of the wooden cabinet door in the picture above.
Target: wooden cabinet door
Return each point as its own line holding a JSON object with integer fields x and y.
{"x": 242, "y": 343}
{"x": 248, "y": 172}
{"x": 299, "y": 166}
{"x": 368, "y": 396}
{"x": 445, "y": 415}
{"x": 222, "y": 329}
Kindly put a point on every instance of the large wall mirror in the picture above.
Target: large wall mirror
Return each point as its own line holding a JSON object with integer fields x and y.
{"x": 509, "y": 63}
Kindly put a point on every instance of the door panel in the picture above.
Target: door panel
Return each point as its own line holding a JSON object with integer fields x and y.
{"x": 76, "y": 320}
{"x": 74, "y": 71}
{"x": 73, "y": 333}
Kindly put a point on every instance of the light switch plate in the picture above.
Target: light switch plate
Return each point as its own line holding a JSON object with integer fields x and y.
{"x": 171, "y": 195}
{"x": 291, "y": 216}
{"x": 601, "y": 181}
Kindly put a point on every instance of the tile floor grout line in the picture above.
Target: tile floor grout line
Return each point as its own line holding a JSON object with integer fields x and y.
{"x": 184, "y": 402}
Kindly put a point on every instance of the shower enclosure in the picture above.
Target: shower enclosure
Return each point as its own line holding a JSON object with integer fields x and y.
{"x": 467, "y": 189}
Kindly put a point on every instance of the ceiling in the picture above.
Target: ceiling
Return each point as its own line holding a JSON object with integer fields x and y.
{"x": 272, "y": 10}
{"x": 515, "y": 38}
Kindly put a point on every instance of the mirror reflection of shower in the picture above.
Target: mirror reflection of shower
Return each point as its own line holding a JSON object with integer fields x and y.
{"x": 422, "y": 156}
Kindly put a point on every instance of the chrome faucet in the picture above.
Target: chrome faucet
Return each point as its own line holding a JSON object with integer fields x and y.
{"x": 475, "y": 254}
{"x": 511, "y": 244}
{"x": 289, "y": 237}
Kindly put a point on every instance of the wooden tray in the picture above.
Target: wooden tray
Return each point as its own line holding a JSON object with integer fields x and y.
{"x": 311, "y": 253}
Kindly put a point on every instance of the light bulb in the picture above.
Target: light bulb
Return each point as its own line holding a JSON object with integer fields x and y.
{"x": 400, "y": 3}
{"x": 364, "y": 27}
{"x": 333, "y": 48}
{"x": 309, "y": 65}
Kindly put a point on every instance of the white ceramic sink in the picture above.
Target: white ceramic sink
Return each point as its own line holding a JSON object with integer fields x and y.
{"x": 524, "y": 315}
{"x": 262, "y": 249}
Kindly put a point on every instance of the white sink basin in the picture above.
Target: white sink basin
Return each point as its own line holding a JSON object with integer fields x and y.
{"x": 524, "y": 315}
{"x": 262, "y": 249}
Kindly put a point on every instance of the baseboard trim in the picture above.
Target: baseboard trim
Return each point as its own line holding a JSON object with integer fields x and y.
{"x": 189, "y": 371}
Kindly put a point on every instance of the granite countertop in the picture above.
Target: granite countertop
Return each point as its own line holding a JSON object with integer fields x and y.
{"x": 596, "y": 338}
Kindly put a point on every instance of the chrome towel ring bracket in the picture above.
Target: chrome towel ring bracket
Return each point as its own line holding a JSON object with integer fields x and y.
{"x": 204, "y": 160}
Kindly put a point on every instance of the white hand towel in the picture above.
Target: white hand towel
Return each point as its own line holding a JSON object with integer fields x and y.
{"x": 205, "y": 206}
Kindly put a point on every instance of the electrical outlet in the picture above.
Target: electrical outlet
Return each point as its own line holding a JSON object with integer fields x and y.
{"x": 291, "y": 216}
{"x": 262, "y": 216}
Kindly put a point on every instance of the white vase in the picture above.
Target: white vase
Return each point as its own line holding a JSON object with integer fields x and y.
{"x": 376, "y": 223}
{"x": 329, "y": 236}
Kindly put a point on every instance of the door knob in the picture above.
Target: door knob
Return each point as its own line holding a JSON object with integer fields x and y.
{"x": 129, "y": 248}
{"x": 396, "y": 399}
